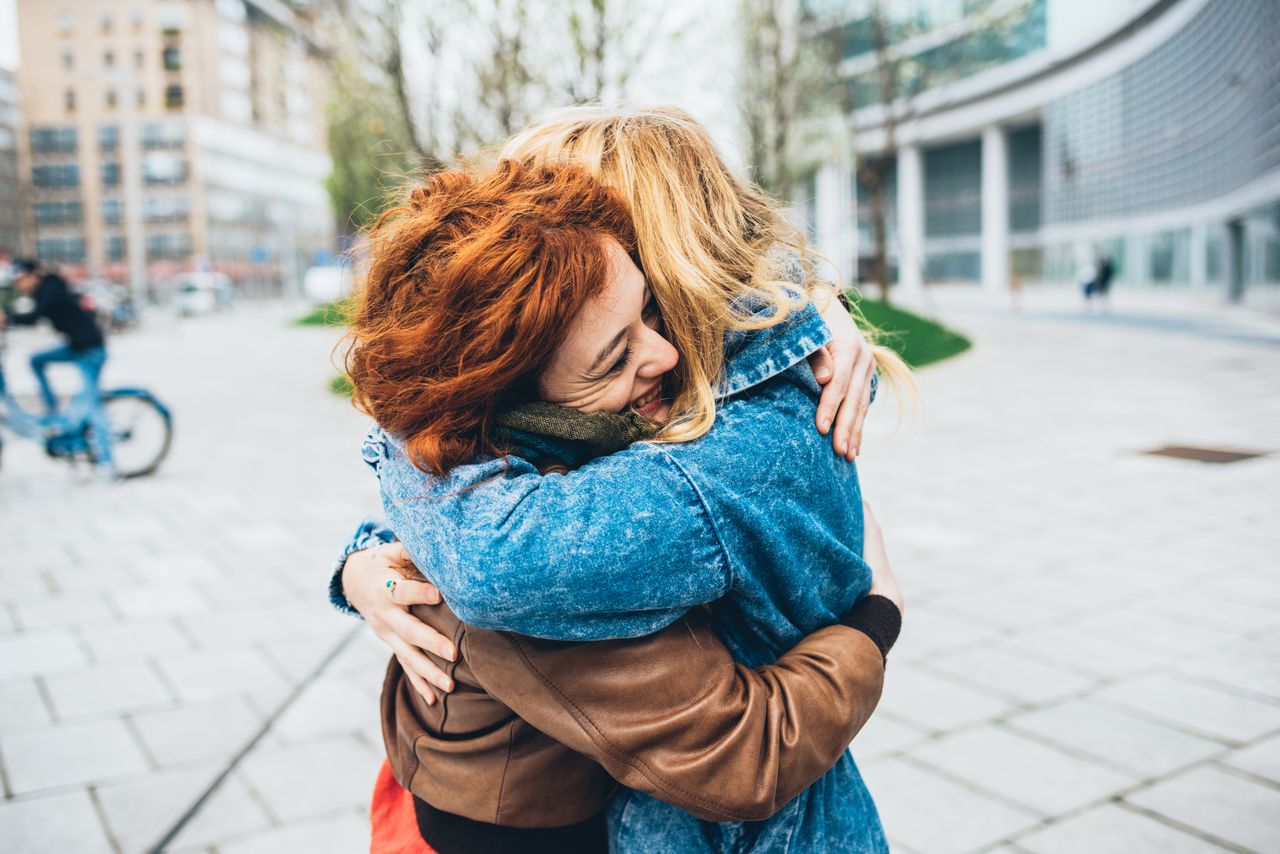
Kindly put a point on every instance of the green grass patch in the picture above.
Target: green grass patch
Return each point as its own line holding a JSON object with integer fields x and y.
{"x": 327, "y": 314}
{"x": 918, "y": 340}
{"x": 341, "y": 384}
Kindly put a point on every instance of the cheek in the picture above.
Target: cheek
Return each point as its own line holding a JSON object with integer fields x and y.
{"x": 608, "y": 396}
{"x": 616, "y": 395}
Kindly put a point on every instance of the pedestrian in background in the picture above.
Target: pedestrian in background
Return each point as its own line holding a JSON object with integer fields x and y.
{"x": 48, "y": 295}
{"x": 1102, "y": 283}
{"x": 1089, "y": 284}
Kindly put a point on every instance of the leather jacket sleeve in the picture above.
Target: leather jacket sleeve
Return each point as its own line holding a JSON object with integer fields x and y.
{"x": 672, "y": 714}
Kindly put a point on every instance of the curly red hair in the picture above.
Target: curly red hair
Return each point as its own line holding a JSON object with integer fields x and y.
{"x": 471, "y": 285}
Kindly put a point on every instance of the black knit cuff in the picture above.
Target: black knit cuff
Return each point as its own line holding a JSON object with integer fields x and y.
{"x": 877, "y": 618}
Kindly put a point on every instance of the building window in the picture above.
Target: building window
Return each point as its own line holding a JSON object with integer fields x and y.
{"x": 142, "y": 97}
{"x": 65, "y": 22}
{"x": 45, "y": 140}
{"x": 58, "y": 213}
{"x": 138, "y": 58}
{"x": 111, "y": 174}
{"x": 70, "y": 249}
{"x": 165, "y": 208}
{"x": 109, "y": 59}
{"x": 111, "y": 99}
{"x": 115, "y": 248}
{"x": 108, "y": 137}
{"x": 175, "y": 246}
{"x": 171, "y": 133}
{"x": 67, "y": 61}
{"x": 160, "y": 168}
{"x": 173, "y": 97}
{"x": 56, "y": 176}
{"x": 106, "y": 23}
{"x": 170, "y": 22}
{"x": 172, "y": 57}
{"x": 69, "y": 100}
{"x": 136, "y": 18}
{"x": 112, "y": 211}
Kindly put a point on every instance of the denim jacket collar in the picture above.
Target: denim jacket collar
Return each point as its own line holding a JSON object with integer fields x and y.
{"x": 755, "y": 355}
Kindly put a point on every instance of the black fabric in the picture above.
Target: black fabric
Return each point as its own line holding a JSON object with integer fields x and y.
{"x": 56, "y": 301}
{"x": 877, "y": 618}
{"x": 453, "y": 834}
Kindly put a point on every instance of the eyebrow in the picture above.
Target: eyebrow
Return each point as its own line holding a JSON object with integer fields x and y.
{"x": 608, "y": 348}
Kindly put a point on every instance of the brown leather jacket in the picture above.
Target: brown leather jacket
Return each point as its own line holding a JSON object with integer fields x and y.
{"x": 537, "y": 732}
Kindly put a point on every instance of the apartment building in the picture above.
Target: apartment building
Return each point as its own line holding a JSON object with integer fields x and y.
{"x": 169, "y": 135}
{"x": 10, "y": 188}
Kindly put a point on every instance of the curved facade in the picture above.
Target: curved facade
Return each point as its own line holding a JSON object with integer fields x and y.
{"x": 1154, "y": 140}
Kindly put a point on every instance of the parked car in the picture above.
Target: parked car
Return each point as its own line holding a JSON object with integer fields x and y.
{"x": 204, "y": 293}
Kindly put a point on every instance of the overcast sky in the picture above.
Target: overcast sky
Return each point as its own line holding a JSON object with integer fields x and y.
{"x": 8, "y": 34}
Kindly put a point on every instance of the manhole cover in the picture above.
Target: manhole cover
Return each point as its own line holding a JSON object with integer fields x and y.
{"x": 1204, "y": 455}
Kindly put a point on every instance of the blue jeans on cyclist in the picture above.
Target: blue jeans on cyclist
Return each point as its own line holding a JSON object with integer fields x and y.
{"x": 89, "y": 400}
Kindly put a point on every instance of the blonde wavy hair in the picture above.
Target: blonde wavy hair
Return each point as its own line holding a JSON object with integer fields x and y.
{"x": 704, "y": 237}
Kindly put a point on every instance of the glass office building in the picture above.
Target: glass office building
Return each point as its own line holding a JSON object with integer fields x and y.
{"x": 1041, "y": 135}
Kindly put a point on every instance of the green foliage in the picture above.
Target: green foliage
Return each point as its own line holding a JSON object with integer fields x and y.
{"x": 341, "y": 384}
{"x": 368, "y": 151}
{"x": 917, "y": 339}
{"x": 327, "y": 314}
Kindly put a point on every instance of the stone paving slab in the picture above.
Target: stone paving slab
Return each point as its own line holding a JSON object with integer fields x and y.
{"x": 1089, "y": 661}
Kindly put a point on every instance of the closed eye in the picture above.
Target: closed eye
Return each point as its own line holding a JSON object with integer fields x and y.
{"x": 623, "y": 361}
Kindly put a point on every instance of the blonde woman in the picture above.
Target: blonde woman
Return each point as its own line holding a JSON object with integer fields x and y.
{"x": 747, "y": 516}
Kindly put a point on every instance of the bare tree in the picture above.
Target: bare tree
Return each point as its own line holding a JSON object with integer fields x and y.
{"x": 608, "y": 40}
{"x": 772, "y": 76}
{"x": 453, "y": 77}
{"x": 874, "y": 168}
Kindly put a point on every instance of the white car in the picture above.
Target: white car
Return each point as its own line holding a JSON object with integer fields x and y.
{"x": 204, "y": 293}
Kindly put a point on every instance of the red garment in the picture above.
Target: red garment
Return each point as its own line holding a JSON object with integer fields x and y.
{"x": 395, "y": 826}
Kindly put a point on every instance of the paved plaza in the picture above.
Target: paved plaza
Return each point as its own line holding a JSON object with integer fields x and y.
{"x": 1090, "y": 660}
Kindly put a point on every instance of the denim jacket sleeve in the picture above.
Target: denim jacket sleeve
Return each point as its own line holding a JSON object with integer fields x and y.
{"x": 371, "y": 532}
{"x": 621, "y": 547}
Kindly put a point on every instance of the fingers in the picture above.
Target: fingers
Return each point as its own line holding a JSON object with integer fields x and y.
{"x": 415, "y": 661}
{"x": 415, "y": 593}
{"x": 822, "y": 364}
{"x": 833, "y": 395}
{"x": 419, "y": 684}
{"x": 853, "y": 414}
{"x": 417, "y": 633}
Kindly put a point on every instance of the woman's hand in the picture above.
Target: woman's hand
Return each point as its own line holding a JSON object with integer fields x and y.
{"x": 845, "y": 366}
{"x": 883, "y": 582}
{"x": 385, "y": 607}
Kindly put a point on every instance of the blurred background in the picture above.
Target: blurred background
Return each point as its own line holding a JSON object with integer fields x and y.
{"x": 1066, "y": 213}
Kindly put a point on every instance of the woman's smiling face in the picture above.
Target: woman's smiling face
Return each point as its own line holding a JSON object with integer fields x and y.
{"x": 614, "y": 355}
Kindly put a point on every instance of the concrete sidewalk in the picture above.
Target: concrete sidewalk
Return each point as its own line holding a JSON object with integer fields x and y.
{"x": 1090, "y": 659}
{"x": 1090, "y": 655}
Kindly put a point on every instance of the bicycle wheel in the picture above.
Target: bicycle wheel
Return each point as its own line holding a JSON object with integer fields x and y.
{"x": 141, "y": 432}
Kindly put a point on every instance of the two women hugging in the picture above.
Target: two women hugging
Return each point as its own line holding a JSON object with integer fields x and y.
{"x": 596, "y": 370}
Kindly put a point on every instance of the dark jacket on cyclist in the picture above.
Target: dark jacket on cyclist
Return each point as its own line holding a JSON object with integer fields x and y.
{"x": 56, "y": 301}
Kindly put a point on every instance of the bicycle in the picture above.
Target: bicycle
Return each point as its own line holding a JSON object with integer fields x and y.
{"x": 141, "y": 426}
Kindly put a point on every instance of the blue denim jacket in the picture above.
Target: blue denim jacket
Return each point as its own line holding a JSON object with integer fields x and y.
{"x": 759, "y": 517}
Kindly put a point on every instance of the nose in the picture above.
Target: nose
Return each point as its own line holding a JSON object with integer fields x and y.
{"x": 658, "y": 355}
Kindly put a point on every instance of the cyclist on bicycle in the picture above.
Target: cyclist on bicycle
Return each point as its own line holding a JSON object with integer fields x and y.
{"x": 84, "y": 347}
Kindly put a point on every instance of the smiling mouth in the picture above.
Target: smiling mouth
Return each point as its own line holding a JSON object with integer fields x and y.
{"x": 647, "y": 401}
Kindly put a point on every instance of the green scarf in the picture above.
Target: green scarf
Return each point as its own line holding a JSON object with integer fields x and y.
{"x": 539, "y": 430}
